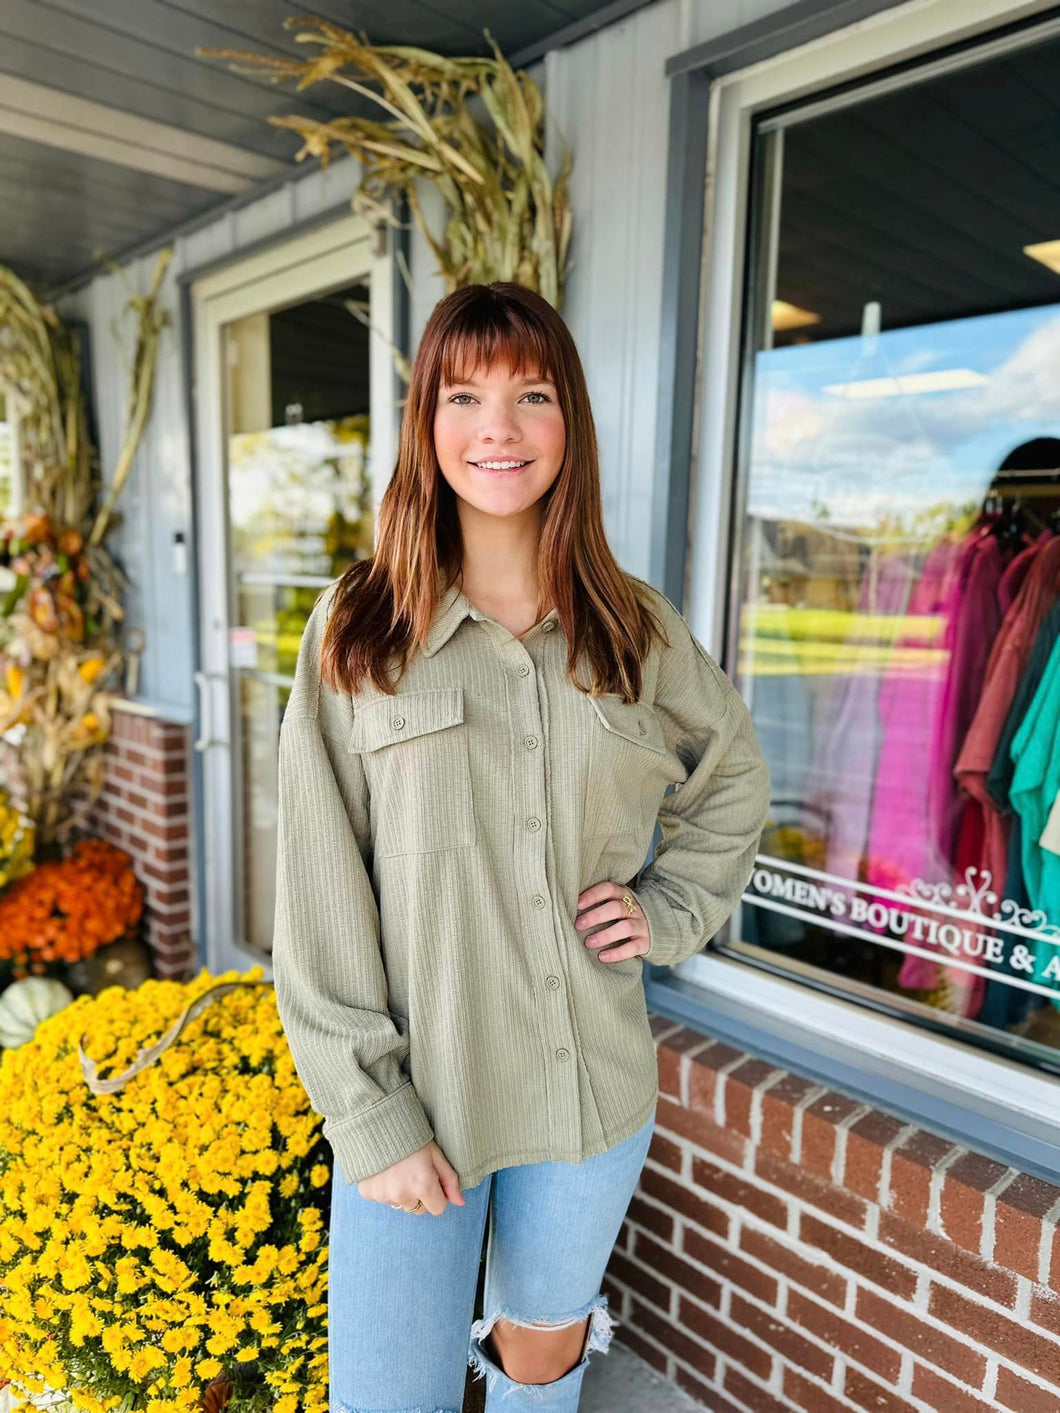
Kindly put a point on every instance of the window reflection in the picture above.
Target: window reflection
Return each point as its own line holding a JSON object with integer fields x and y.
{"x": 899, "y": 605}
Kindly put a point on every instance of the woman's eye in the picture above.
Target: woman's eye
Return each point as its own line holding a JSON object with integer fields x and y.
{"x": 533, "y": 393}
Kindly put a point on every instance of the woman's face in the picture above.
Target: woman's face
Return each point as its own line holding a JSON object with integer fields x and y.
{"x": 499, "y": 417}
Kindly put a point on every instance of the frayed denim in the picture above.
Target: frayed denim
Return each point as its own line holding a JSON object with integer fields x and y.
{"x": 401, "y": 1287}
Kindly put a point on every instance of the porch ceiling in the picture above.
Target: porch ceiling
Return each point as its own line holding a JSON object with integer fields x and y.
{"x": 113, "y": 130}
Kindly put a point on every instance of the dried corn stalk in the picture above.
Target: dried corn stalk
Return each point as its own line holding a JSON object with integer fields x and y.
{"x": 60, "y": 590}
{"x": 507, "y": 219}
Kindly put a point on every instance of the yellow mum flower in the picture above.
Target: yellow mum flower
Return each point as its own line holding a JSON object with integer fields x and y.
{"x": 150, "y": 1229}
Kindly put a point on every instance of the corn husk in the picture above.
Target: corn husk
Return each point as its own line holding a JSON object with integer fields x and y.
{"x": 506, "y": 218}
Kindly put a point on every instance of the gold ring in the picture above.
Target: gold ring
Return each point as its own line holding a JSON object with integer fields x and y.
{"x": 630, "y": 902}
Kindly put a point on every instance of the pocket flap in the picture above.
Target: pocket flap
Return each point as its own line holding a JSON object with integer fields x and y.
{"x": 390, "y": 719}
{"x": 636, "y": 721}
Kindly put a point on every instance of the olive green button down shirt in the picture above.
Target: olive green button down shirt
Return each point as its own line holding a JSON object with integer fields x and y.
{"x": 431, "y": 850}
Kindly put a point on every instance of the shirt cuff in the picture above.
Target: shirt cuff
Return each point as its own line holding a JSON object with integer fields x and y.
{"x": 384, "y": 1133}
{"x": 669, "y": 942}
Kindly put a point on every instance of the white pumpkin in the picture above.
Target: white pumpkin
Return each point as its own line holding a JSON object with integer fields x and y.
{"x": 24, "y": 1004}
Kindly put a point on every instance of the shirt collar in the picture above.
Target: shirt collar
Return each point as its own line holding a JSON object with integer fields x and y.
{"x": 450, "y": 611}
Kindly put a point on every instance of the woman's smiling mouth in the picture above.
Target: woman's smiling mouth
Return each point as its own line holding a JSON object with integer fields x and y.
{"x": 501, "y": 466}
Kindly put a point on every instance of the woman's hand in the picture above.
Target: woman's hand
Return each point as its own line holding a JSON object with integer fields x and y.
{"x": 426, "y": 1176}
{"x": 601, "y": 903}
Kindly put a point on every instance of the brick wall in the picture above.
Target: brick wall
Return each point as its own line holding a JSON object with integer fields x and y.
{"x": 792, "y": 1248}
{"x": 145, "y": 808}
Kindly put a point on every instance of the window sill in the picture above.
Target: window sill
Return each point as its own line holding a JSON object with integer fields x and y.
{"x": 994, "y": 1105}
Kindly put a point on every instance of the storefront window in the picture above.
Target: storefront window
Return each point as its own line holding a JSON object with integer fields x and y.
{"x": 897, "y": 616}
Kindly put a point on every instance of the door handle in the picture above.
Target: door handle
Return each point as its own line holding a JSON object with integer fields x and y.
{"x": 207, "y": 738}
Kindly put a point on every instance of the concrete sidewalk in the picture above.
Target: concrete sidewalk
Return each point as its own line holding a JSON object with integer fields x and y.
{"x": 621, "y": 1382}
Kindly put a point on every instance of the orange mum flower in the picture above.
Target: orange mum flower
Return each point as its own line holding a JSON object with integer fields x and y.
{"x": 65, "y": 910}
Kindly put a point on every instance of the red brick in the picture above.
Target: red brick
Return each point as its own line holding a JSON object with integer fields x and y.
{"x": 725, "y": 1263}
{"x": 677, "y": 1270}
{"x": 164, "y": 875}
{"x": 703, "y": 1075}
{"x": 843, "y": 1336}
{"x": 1022, "y": 1396}
{"x": 819, "y": 1122}
{"x": 1045, "y": 1310}
{"x": 175, "y": 827}
{"x": 728, "y": 1187}
{"x": 660, "y": 1024}
{"x": 758, "y": 1400}
{"x": 937, "y": 1392}
{"x": 669, "y": 1054}
{"x": 866, "y": 1393}
{"x": 809, "y": 1397}
{"x": 946, "y": 1258}
{"x": 685, "y": 1202}
{"x": 912, "y": 1164}
{"x": 857, "y": 1256}
{"x": 673, "y": 1337}
{"x": 710, "y": 1398}
{"x": 782, "y": 1338}
{"x": 662, "y": 1149}
{"x": 1018, "y": 1223}
{"x": 657, "y": 1358}
{"x": 740, "y": 1085}
{"x": 934, "y": 1346}
{"x": 657, "y": 1292}
{"x": 1037, "y": 1353}
{"x": 702, "y": 1131}
{"x": 961, "y": 1197}
{"x": 836, "y": 1202}
{"x": 814, "y": 1276}
{"x": 723, "y": 1337}
{"x": 655, "y": 1219}
{"x": 778, "y": 1112}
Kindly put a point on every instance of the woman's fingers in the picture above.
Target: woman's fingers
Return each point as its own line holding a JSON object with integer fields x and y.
{"x": 601, "y": 903}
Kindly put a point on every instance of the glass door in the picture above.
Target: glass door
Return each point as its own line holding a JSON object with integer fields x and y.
{"x": 286, "y": 501}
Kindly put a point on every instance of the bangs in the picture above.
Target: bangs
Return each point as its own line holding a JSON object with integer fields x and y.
{"x": 490, "y": 336}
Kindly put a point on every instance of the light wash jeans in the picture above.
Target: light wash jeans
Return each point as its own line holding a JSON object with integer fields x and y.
{"x": 401, "y": 1286}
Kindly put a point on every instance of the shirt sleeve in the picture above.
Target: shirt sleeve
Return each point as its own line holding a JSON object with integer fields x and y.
{"x": 330, "y": 982}
{"x": 712, "y": 822}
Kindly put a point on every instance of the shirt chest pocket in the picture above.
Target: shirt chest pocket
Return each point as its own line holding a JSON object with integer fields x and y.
{"x": 629, "y": 767}
{"x": 414, "y": 750}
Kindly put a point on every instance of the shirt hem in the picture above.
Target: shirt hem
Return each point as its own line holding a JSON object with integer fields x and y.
{"x": 512, "y": 1158}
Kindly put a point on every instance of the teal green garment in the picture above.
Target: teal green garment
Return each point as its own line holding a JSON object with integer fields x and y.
{"x": 1036, "y": 753}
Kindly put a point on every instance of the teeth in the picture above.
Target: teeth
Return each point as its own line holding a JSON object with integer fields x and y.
{"x": 500, "y": 465}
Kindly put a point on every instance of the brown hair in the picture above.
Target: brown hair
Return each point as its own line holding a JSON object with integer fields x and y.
{"x": 383, "y": 606}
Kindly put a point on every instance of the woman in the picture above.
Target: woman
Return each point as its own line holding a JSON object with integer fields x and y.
{"x": 484, "y": 721}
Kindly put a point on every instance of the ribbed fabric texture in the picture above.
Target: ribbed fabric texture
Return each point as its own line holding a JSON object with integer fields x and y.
{"x": 431, "y": 850}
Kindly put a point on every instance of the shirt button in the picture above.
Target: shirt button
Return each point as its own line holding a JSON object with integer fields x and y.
{"x": 529, "y": 742}
{"x": 539, "y": 902}
{"x": 548, "y": 627}
{"x": 398, "y": 722}
{"x": 562, "y": 1054}
{"x": 552, "y": 982}
{"x": 523, "y": 669}
{"x": 533, "y": 822}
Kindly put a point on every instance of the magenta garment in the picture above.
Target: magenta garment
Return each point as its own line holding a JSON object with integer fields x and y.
{"x": 847, "y": 735}
{"x": 933, "y": 807}
{"x": 898, "y": 847}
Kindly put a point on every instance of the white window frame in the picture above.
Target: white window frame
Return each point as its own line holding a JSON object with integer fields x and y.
{"x": 954, "y": 1078}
